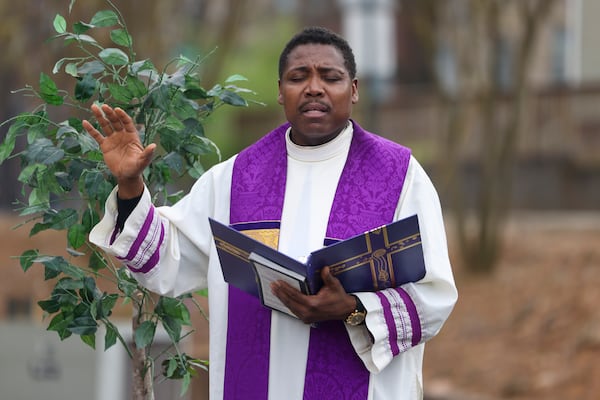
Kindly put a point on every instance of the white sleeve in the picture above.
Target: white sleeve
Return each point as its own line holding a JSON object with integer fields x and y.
{"x": 167, "y": 248}
{"x": 404, "y": 317}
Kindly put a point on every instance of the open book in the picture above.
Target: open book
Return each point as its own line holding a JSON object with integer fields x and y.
{"x": 381, "y": 258}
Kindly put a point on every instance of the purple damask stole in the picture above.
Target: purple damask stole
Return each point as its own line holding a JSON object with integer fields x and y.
{"x": 366, "y": 197}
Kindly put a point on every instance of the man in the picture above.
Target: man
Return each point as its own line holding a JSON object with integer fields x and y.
{"x": 319, "y": 176}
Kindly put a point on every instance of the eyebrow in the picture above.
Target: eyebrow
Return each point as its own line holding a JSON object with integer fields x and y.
{"x": 304, "y": 68}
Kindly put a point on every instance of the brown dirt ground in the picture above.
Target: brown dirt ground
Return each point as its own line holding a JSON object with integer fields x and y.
{"x": 531, "y": 330}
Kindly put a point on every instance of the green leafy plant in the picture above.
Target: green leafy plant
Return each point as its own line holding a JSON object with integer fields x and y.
{"x": 66, "y": 183}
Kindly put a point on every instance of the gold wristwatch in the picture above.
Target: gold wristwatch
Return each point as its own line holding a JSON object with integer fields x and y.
{"x": 357, "y": 316}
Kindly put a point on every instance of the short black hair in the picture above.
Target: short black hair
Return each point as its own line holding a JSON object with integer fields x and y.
{"x": 319, "y": 35}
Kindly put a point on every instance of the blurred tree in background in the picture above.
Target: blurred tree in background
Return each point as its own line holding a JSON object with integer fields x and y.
{"x": 484, "y": 97}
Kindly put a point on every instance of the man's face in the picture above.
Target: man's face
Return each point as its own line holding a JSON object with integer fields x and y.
{"x": 317, "y": 93}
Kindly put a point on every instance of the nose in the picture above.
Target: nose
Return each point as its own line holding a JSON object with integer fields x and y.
{"x": 314, "y": 86}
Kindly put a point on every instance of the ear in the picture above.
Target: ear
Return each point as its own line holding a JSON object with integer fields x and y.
{"x": 354, "y": 91}
{"x": 279, "y": 96}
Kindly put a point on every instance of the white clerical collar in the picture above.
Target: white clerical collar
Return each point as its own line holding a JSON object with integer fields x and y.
{"x": 338, "y": 145}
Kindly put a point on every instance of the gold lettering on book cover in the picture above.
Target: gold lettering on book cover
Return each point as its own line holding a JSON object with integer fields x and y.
{"x": 231, "y": 249}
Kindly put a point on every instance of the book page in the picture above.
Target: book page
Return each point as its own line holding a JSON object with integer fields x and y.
{"x": 268, "y": 272}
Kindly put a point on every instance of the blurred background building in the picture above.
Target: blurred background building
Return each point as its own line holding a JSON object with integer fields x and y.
{"x": 410, "y": 69}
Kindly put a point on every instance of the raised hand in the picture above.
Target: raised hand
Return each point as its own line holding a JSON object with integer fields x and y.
{"x": 123, "y": 152}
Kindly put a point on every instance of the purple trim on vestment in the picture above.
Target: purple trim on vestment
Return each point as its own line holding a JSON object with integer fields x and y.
{"x": 257, "y": 192}
{"x": 390, "y": 322}
{"x": 113, "y": 236}
{"x": 154, "y": 258}
{"x": 415, "y": 323}
{"x": 135, "y": 247}
{"x": 134, "y": 250}
{"x": 366, "y": 197}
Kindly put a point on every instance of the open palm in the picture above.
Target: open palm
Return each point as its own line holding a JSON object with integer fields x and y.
{"x": 123, "y": 152}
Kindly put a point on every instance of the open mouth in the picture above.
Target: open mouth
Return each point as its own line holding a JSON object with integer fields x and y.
{"x": 314, "y": 109}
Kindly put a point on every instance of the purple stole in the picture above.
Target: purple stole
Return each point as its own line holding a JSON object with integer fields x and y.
{"x": 366, "y": 197}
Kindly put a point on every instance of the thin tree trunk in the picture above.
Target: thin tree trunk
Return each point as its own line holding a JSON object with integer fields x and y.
{"x": 142, "y": 383}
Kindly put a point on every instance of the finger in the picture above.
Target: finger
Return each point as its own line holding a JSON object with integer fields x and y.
{"x": 125, "y": 120}
{"x": 330, "y": 280}
{"x": 100, "y": 114}
{"x": 93, "y": 132}
{"x": 113, "y": 118}
{"x": 148, "y": 153}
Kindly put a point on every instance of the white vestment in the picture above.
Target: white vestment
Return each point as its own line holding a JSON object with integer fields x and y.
{"x": 188, "y": 261}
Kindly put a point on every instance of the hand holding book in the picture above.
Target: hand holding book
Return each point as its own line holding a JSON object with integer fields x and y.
{"x": 384, "y": 257}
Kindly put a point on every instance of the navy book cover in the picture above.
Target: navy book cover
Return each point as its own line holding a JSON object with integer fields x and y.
{"x": 381, "y": 258}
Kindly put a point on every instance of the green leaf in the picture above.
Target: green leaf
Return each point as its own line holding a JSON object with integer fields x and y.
{"x": 65, "y": 129}
{"x": 50, "y": 306}
{"x": 90, "y": 340}
{"x": 104, "y": 18}
{"x": 97, "y": 261}
{"x": 71, "y": 69}
{"x": 89, "y": 292}
{"x": 133, "y": 88}
{"x": 83, "y": 325}
{"x": 91, "y": 67}
{"x": 137, "y": 88}
{"x": 8, "y": 145}
{"x": 141, "y": 66}
{"x": 233, "y": 99}
{"x": 64, "y": 180}
{"x": 96, "y": 186}
{"x": 37, "y": 228}
{"x": 235, "y": 78}
{"x": 89, "y": 219}
{"x": 173, "y": 328}
{"x": 59, "y": 324}
{"x": 38, "y": 130}
{"x": 198, "y": 146}
{"x": 161, "y": 98}
{"x": 112, "y": 56}
{"x": 76, "y": 236}
{"x": 85, "y": 87}
{"x": 38, "y": 200}
{"x": 175, "y": 161}
{"x": 81, "y": 27}
{"x": 144, "y": 334}
{"x": 58, "y": 65}
{"x": 43, "y": 151}
{"x": 85, "y": 39}
{"x": 187, "y": 379}
{"x": 126, "y": 283}
{"x": 106, "y": 304}
{"x": 71, "y": 145}
{"x": 62, "y": 219}
{"x": 110, "y": 338}
{"x": 121, "y": 37}
{"x": 49, "y": 90}
{"x": 54, "y": 265}
{"x": 29, "y": 174}
{"x": 60, "y": 24}
{"x": 168, "y": 306}
{"x": 27, "y": 259}
{"x": 69, "y": 285}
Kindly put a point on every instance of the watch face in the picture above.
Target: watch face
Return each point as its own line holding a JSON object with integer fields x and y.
{"x": 356, "y": 318}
